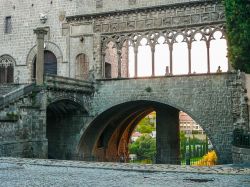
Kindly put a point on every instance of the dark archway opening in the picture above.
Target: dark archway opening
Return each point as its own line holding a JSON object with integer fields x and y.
{"x": 108, "y": 136}
{"x": 50, "y": 64}
{"x": 65, "y": 119}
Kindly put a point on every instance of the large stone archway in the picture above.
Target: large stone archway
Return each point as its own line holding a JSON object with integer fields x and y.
{"x": 205, "y": 98}
{"x": 108, "y": 136}
{"x": 64, "y": 121}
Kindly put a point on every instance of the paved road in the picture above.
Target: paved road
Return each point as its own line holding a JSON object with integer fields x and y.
{"x": 26, "y": 173}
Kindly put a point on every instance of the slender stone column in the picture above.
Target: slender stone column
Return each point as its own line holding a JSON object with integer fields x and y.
{"x": 153, "y": 60}
{"x": 171, "y": 58}
{"x": 208, "y": 56}
{"x": 189, "y": 58}
{"x": 167, "y": 136}
{"x": 40, "y": 33}
{"x": 103, "y": 64}
{"x": 119, "y": 54}
{"x": 136, "y": 58}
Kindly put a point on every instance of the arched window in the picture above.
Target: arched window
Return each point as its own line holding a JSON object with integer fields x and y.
{"x": 218, "y": 52}
{"x": 180, "y": 62}
{"x": 199, "y": 54}
{"x": 111, "y": 60}
{"x": 144, "y": 58}
{"x": 50, "y": 64}
{"x": 6, "y": 69}
{"x": 82, "y": 67}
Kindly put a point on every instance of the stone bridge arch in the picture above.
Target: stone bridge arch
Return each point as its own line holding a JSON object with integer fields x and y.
{"x": 106, "y": 138}
{"x": 206, "y": 98}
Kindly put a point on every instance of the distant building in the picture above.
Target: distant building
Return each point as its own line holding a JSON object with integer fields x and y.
{"x": 188, "y": 125}
{"x": 135, "y": 136}
{"x": 153, "y": 134}
{"x": 152, "y": 117}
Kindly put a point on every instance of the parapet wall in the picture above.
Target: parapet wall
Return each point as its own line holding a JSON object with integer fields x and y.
{"x": 117, "y": 5}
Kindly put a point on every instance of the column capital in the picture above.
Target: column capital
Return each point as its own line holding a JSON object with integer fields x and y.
{"x": 40, "y": 31}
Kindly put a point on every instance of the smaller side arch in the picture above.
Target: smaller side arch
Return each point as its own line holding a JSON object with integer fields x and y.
{"x": 64, "y": 119}
{"x": 49, "y": 46}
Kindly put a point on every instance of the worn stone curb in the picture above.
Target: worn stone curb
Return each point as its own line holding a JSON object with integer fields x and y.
{"x": 219, "y": 169}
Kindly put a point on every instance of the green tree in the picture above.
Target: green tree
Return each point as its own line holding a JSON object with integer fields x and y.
{"x": 238, "y": 33}
{"x": 145, "y": 126}
{"x": 183, "y": 141}
{"x": 144, "y": 147}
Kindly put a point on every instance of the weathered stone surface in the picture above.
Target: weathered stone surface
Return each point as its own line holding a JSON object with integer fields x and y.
{"x": 78, "y": 118}
{"x": 206, "y": 98}
{"x": 241, "y": 155}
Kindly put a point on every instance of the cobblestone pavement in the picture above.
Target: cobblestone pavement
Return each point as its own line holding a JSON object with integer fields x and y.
{"x": 34, "y": 172}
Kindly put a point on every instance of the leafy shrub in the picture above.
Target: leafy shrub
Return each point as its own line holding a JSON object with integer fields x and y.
{"x": 238, "y": 33}
{"x": 209, "y": 159}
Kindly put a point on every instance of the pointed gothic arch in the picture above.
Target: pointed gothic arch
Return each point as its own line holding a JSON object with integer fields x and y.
{"x": 7, "y": 64}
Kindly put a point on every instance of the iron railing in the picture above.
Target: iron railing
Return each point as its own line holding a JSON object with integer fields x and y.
{"x": 141, "y": 160}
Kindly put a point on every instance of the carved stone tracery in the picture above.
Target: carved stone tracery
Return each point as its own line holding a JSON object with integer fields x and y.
{"x": 167, "y": 21}
{"x": 181, "y": 14}
{"x": 169, "y": 35}
{"x": 6, "y": 61}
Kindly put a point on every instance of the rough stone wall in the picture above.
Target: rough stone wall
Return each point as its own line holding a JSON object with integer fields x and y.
{"x": 23, "y": 129}
{"x": 211, "y": 100}
{"x": 240, "y": 105}
{"x": 241, "y": 155}
{"x": 207, "y": 99}
{"x": 23, "y": 121}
